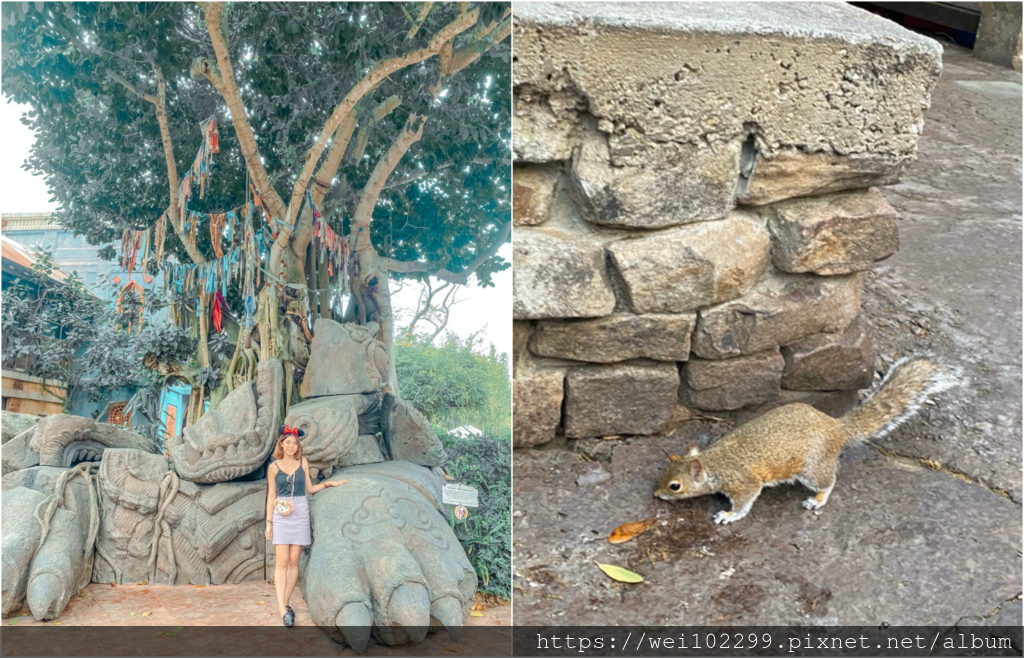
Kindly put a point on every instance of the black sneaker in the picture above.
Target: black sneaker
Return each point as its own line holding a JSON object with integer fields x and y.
{"x": 289, "y": 616}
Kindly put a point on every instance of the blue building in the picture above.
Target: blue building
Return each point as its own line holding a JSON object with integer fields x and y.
{"x": 72, "y": 254}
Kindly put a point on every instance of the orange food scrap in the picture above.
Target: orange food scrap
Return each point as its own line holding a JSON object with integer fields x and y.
{"x": 628, "y": 531}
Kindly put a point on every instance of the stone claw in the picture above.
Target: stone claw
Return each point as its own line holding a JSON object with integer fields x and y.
{"x": 382, "y": 552}
{"x": 448, "y": 611}
{"x": 410, "y": 608}
{"x": 353, "y": 622}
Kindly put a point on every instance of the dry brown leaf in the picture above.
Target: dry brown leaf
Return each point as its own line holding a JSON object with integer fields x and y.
{"x": 454, "y": 648}
{"x": 261, "y": 603}
{"x": 200, "y": 585}
{"x": 146, "y": 614}
{"x": 145, "y": 582}
{"x": 628, "y": 531}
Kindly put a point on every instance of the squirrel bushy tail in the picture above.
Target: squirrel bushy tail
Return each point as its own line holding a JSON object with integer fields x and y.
{"x": 898, "y": 397}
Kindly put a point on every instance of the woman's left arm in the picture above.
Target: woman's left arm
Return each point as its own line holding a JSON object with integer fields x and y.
{"x": 313, "y": 488}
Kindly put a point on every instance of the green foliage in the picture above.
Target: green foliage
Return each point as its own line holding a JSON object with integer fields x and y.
{"x": 457, "y": 383}
{"x": 47, "y": 322}
{"x": 99, "y": 146}
{"x": 485, "y": 462}
{"x": 57, "y": 329}
{"x": 168, "y": 344}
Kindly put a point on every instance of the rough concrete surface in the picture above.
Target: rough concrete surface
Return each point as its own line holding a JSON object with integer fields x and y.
{"x": 926, "y": 532}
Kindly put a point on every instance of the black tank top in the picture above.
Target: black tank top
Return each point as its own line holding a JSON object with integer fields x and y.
{"x": 284, "y": 482}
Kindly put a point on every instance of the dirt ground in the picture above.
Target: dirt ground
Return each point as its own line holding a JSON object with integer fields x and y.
{"x": 925, "y": 529}
{"x": 180, "y": 609}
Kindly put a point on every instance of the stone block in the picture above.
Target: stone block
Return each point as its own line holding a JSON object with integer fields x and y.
{"x": 344, "y": 359}
{"x": 520, "y": 339}
{"x": 630, "y": 398}
{"x": 412, "y": 437}
{"x": 18, "y": 453}
{"x": 999, "y": 34}
{"x": 615, "y": 338}
{"x": 540, "y": 133}
{"x": 14, "y": 424}
{"x": 532, "y": 191}
{"x": 691, "y": 267}
{"x": 536, "y": 407}
{"x": 831, "y": 362}
{"x": 728, "y": 384}
{"x": 834, "y": 234}
{"x": 796, "y": 173}
{"x": 558, "y": 276}
{"x": 679, "y": 184}
{"x": 779, "y": 310}
{"x": 698, "y": 104}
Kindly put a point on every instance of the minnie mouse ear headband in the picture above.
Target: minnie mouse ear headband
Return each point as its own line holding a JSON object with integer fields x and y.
{"x": 294, "y": 431}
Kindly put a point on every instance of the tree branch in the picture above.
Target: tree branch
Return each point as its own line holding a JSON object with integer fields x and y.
{"x": 223, "y": 79}
{"x": 160, "y": 103}
{"x": 468, "y": 53}
{"x": 424, "y": 11}
{"x": 322, "y": 184}
{"x": 461, "y": 278}
{"x": 132, "y": 88}
{"x": 424, "y": 172}
{"x": 363, "y": 213}
{"x": 369, "y": 81}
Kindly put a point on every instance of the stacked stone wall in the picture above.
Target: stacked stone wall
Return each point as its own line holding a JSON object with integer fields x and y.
{"x": 695, "y": 199}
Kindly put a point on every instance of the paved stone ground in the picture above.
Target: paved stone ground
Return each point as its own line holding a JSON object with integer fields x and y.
{"x": 925, "y": 530}
{"x": 179, "y": 609}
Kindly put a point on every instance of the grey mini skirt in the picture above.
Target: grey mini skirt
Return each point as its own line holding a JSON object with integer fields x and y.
{"x": 294, "y": 528}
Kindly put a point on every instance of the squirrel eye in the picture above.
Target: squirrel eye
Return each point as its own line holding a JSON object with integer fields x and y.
{"x": 674, "y": 486}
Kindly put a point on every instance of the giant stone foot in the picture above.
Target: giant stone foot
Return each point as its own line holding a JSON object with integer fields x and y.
{"x": 49, "y": 523}
{"x": 384, "y": 559}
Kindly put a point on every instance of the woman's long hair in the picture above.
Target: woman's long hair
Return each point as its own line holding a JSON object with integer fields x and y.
{"x": 279, "y": 448}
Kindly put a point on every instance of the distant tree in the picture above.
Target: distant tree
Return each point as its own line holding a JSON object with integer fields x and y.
{"x": 458, "y": 383}
{"x": 393, "y": 118}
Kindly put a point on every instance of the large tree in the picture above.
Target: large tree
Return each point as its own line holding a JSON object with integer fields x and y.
{"x": 393, "y": 120}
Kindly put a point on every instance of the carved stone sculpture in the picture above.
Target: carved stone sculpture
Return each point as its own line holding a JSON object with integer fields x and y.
{"x": 334, "y": 436}
{"x": 344, "y": 359}
{"x": 384, "y": 557}
{"x": 160, "y": 528}
{"x": 412, "y": 437}
{"x": 63, "y": 440}
{"x": 383, "y": 560}
{"x": 235, "y": 439}
{"x": 49, "y": 524}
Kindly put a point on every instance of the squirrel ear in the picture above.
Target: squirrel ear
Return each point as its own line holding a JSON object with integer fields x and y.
{"x": 696, "y": 470}
{"x": 692, "y": 450}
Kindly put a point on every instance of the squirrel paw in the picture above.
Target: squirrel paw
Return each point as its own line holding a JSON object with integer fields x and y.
{"x": 724, "y": 517}
{"x": 814, "y": 503}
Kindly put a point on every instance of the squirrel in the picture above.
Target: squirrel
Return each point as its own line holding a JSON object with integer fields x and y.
{"x": 798, "y": 443}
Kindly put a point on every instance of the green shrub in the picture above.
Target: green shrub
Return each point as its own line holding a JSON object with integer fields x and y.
{"x": 459, "y": 383}
{"x": 485, "y": 462}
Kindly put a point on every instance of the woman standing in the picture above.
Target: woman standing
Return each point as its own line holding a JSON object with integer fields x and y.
{"x": 288, "y": 513}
